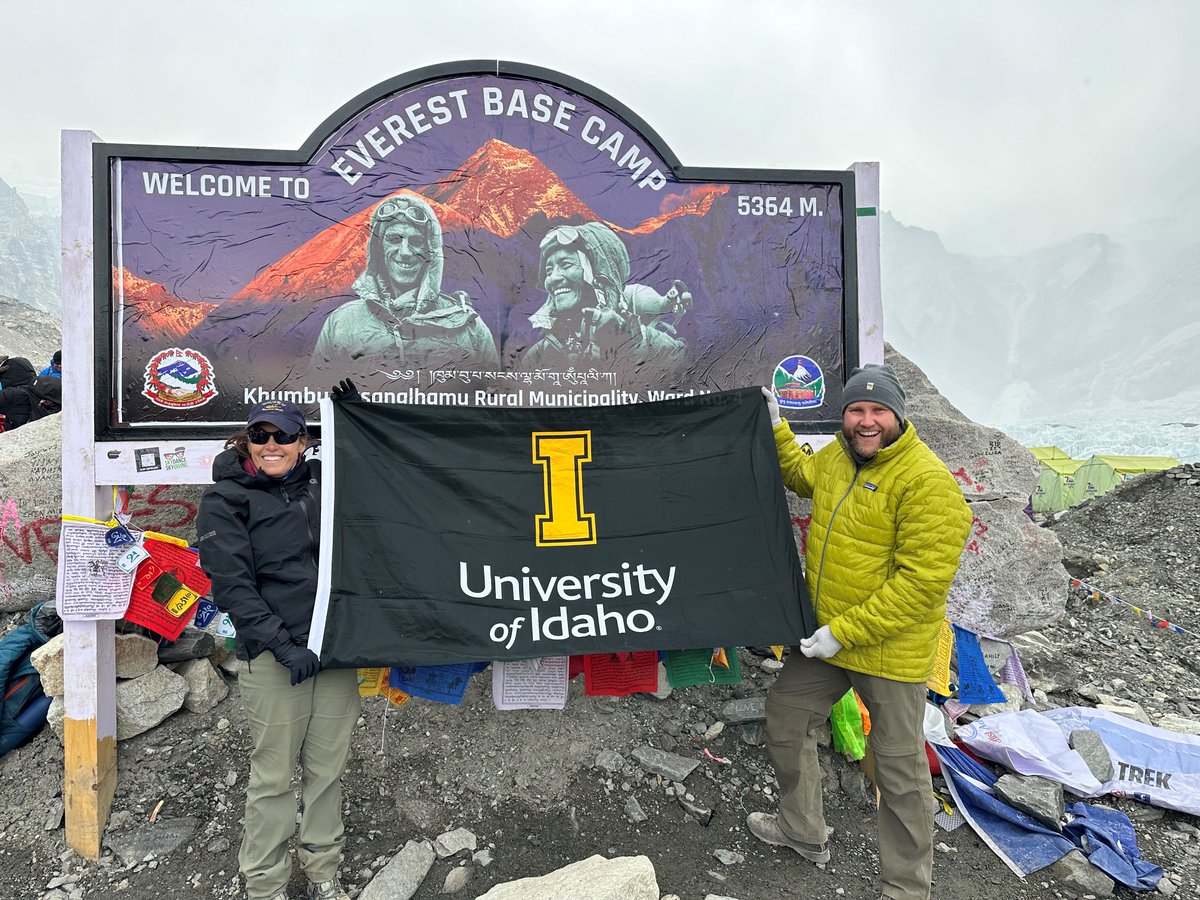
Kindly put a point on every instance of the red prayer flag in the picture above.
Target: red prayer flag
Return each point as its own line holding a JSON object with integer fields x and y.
{"x": 620, "y": 674}
{"x": 163, "y": 583}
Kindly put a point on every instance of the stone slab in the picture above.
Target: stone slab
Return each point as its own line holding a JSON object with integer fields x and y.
{"x": 595, "y": 878}
{"x": 403, "y": 875}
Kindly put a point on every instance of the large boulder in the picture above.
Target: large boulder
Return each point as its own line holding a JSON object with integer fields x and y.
{"x": 1010, "y": 577}
{"x": 141, "y": 703}
{"x": 205, "y": 686}
{"x": 136, "y": 655}
{"x": 31, "y": 485}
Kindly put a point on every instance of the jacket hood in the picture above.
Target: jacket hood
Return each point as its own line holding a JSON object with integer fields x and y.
{"x": 16, "y": 371}
{"x": 374, "y": 284}
{"x": 47, "y": 387}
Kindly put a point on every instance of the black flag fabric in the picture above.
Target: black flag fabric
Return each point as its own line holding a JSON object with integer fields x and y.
{"x": 455, "y": 534}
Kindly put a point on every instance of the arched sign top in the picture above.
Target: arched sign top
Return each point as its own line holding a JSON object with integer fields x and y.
{"x": 483, "y": 68}
{"x": 475, "y": 234}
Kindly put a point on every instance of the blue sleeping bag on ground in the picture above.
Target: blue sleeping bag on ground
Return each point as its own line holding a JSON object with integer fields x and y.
{"x": 23, "y": 704}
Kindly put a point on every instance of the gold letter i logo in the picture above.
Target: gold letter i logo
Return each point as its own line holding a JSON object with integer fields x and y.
{"x": 561, "y": 455}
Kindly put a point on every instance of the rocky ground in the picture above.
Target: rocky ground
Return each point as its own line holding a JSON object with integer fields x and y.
{"x": 29, "y": 332}
{"x": 542, "y": 789}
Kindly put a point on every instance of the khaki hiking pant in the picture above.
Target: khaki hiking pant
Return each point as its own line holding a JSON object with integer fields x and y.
{"x": 798, "y": 704}
{"x": 312, "y": 721}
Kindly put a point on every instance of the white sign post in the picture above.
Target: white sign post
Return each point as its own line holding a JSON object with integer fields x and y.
{"x": 89, "y": 654}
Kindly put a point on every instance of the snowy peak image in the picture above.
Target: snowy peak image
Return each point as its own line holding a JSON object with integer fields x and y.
{"x": 327, "y": 265}
{"x": 499, "y": 189}
{"x": 502, "y": 187}
{"x": 151, "y": 312}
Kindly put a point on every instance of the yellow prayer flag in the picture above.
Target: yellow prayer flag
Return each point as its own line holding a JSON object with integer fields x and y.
{"x": 370, "y": 681}
{"x": 181, "y": 601}
{"x": 395, "y": 695}
{"x": 939, "y": 677}
{"x": 777, "y": 649}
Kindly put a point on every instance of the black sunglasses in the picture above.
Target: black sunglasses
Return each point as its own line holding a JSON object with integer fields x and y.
{"x": 258, "y": 436}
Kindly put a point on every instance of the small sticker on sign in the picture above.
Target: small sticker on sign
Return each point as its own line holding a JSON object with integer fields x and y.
{"x": 128, "y": 561}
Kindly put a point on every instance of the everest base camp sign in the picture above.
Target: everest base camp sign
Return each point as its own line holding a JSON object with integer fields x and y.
{"x": 480, "y": 235}
{"x": 452, "y": 534}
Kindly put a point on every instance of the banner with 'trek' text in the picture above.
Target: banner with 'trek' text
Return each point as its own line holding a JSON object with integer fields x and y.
{"x": 453, "y": 534}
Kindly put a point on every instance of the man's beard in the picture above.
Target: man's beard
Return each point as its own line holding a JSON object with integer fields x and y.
{"x": 887, "y": 437}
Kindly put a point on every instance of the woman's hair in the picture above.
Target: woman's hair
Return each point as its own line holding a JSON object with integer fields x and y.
{"x": 240, "y": 442}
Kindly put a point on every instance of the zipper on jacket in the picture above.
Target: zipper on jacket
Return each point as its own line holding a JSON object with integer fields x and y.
{"x": 828, "y": 532}
{"x": 312, "y": 543}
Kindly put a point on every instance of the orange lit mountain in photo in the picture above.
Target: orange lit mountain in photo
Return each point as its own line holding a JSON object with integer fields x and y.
{"x": 696, "y": 202}
{"x": 152, "y": 312}
{"x": 326, "y": 265}
{"x": 501, "y": 187}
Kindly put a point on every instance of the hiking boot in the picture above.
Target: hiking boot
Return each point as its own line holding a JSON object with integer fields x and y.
{"x": 326, "y": 890}
{"x": 765, "y": 827}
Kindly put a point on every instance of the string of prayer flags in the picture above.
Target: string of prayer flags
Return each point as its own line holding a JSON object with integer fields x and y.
{"x": 621, "y": 674}
{"x": 166, "y": 588}
{"x": 442, "y": 684}
{"x": 394, "y": 696}
{"x": 206, "y": 611}
{"x": 691, "y": 667}
{"x": 1012, "y": 671}
{"x": 91, "y": 582}
{"x": 975, "y": 682}
{"x": 846, "y": 724}
{"x": 954, "y": 708}
{"x": 939, "y": 676}
{"x": 370, "y": 681}
{"x": 530, "y": 683}
{"x": 862, "y": 711}
{"x": 1157, "y": 621}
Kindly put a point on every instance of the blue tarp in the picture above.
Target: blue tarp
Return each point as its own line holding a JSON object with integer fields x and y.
{"x": 1104, "y": 836}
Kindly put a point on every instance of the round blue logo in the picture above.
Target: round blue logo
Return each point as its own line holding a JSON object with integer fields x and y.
{"x": 799, "y": 383}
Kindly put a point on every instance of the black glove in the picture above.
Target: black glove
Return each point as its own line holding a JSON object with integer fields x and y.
{"x": 300, "y": 661}
{"x": 345, "y": 392}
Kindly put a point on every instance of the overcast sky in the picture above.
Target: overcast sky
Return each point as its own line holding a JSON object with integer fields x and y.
{"x": 1002, "y": 126}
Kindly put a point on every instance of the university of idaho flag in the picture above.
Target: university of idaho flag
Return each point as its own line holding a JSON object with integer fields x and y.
{"x": 455, "y": 534}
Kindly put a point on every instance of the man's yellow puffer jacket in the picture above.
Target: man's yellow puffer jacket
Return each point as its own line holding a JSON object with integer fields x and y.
{"x": 883, "y": 547}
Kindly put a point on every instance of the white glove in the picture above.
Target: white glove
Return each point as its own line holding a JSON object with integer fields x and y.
{"x": 821, "y": 645}
{"x": 772, "y": 407}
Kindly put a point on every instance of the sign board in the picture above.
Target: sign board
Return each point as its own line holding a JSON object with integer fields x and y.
{"x": 473, "y": 234}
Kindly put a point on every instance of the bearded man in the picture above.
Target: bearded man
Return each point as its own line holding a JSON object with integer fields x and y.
{"x": 888, "y": 526}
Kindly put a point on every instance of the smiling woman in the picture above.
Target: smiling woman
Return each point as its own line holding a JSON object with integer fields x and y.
{"x": 258, "y": 529}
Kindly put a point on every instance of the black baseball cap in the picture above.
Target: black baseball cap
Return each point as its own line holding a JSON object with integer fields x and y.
{"x": 285, "y": 416}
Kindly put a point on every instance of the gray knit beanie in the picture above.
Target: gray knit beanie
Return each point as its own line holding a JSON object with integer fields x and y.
{"x": 877, "y": 383}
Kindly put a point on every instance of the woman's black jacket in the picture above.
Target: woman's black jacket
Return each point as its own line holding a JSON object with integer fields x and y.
{"x": 258, "y": 540}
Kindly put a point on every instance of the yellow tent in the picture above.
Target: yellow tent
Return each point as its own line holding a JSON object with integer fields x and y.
{"x": 1056, "y": 484}
{"x": 1044, "y": 453}
{"x": 1103, "y": 472}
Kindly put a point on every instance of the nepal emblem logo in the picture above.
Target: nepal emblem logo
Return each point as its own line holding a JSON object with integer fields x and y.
{"x": 179, "y": 379}
{"x": 799, "y": 383}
